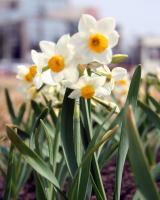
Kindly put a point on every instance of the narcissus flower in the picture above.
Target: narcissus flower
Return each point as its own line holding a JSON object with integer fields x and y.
{"x": 122, "y": 86}
{"x": 95, "y": 39}
{"x": 26, "y": 74}
{"x": 32, "y": 74}
{"x": 111, "y": 77}
{"x": 87, "y": 87}
{"x": 59, "y": 58}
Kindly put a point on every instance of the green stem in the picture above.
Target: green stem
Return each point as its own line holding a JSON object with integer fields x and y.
{"x": 77, "y": 136}
{"x": 95, "y": 171}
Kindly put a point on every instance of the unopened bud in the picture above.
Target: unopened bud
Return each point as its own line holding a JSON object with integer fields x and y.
{"x": 118, "y": 58}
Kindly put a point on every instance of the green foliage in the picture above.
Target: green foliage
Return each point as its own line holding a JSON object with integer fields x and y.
{"x": 71, "y": 143}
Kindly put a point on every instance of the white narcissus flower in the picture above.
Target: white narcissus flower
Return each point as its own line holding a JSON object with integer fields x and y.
{"x": 26, "y": 74}
{"x": 30, "y": 92}
{"x": 32, "y": 75}
{"x": 40, "y": 61}
{"x": 122, "y": 86}
{"x": 117, "y": 74}
{"x": 59, "y": 58}
{"x": 87, "y": 87}
{"x": 95, "y": 39}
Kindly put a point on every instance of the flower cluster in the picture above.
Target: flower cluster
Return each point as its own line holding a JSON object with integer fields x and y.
{"x": 80, "y": 62}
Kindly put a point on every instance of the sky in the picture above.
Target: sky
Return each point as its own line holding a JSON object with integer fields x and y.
{"x": 137, "y": 17}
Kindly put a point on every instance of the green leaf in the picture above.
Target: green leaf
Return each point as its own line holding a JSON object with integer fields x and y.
{"x": 35, "y": 107}
{"x": 10, "y": 106}
{"x": 77, "y": 132}
{"x": 9, "y": 180}
{"x": 106, "y": 156}
{"x": 33, "y": 159}
{"x": 81, "y": 179}
{"x": 24, "y": 135}
{"x": 155, "y": 103}
{"x": 67, "y": 133}
{"x": 22, "y": 176}
{"x": 56, "y": 143}
{"x": 155, "y": 171}
{"x": 138, "y": 160}
{"x": 152, "y": 116}
{"x": 40, "y": 191}
{"x": 42, "y": 115}
{"x": 49, "y": 140}
{"x": 124, "y": 143}
{"x": 95, "y": 171}
{"x": 21, "y": 113}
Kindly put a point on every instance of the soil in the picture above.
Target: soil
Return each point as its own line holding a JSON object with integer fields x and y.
{"x": 108, "y": 175}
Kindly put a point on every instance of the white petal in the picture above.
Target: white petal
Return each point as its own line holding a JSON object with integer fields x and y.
{"x": 39, "y": 59}
{"x": 63, "y": 41}
{"x": 22, "y": 71}
{"x": 110, "y": 85}
{"x": 103, "y": 58}
{"x": 101, "y": 91}
{"x": 97, "y": 81}
{"x": 113, "y": 39}
{"x": 75, "y": 94}
{"x": 47, "y": 47}
{"x": 79, "y": 40}
{"x": 47, "y": 78}
{"x": 57, "y": 76}
{"x": 38, "y": 81}
{"x": 83, "y": 80}
{"x": 119, "y": 73}
{"x": 71, "y": 74}
{"x": 106, "y": 25}
{"x": 86, "y": 23}
{"x": 66, "y": 52}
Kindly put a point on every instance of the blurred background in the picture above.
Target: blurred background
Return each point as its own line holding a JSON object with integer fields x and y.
{"x": 23, "y": 23}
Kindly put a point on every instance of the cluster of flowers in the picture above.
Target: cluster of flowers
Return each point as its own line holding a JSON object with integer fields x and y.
{"x": 79, "y": 62}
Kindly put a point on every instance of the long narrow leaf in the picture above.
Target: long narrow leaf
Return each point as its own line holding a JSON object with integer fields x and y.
{"x": 152, "y": 116}
{"x": 124, "y": 144}
{"x": 10, "y": 106}
{"x": 33, "y": 159}
{"x": 67, "y": 133}
{"x": 138, "y": 160}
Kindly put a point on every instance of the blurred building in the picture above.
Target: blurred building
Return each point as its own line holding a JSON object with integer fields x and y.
{"x": 150, "y": 51}
{"x": 23, "y": 23}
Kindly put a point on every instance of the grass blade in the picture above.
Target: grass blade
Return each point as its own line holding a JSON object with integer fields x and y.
{"x": 33, "y": 159}
{"x": 152, "y": 116}
{"x": 67, "y": 133}
{"x": 124, "y": 144}
{"x": 10, "y": 106}
{"x": 138, "y": 160}
{"x": 95, "y": 171}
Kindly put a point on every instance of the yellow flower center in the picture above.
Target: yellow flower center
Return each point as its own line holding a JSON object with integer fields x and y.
{"x": 29, "y": 77}
{"x": 152, "y": 94}
{"x": 108, "y": 77}
{"x": 87, "y": 91}
{"x": 56, "y": 63}
{"x": 31, "y": 74}
{"x": 33, "y": 70}
{"x": 125, "y": 92}
{"x": 98, "y": 42}
{"x": 121, "y": 82}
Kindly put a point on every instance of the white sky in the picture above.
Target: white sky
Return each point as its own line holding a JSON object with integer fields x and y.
{"x": 137, "y": 17}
